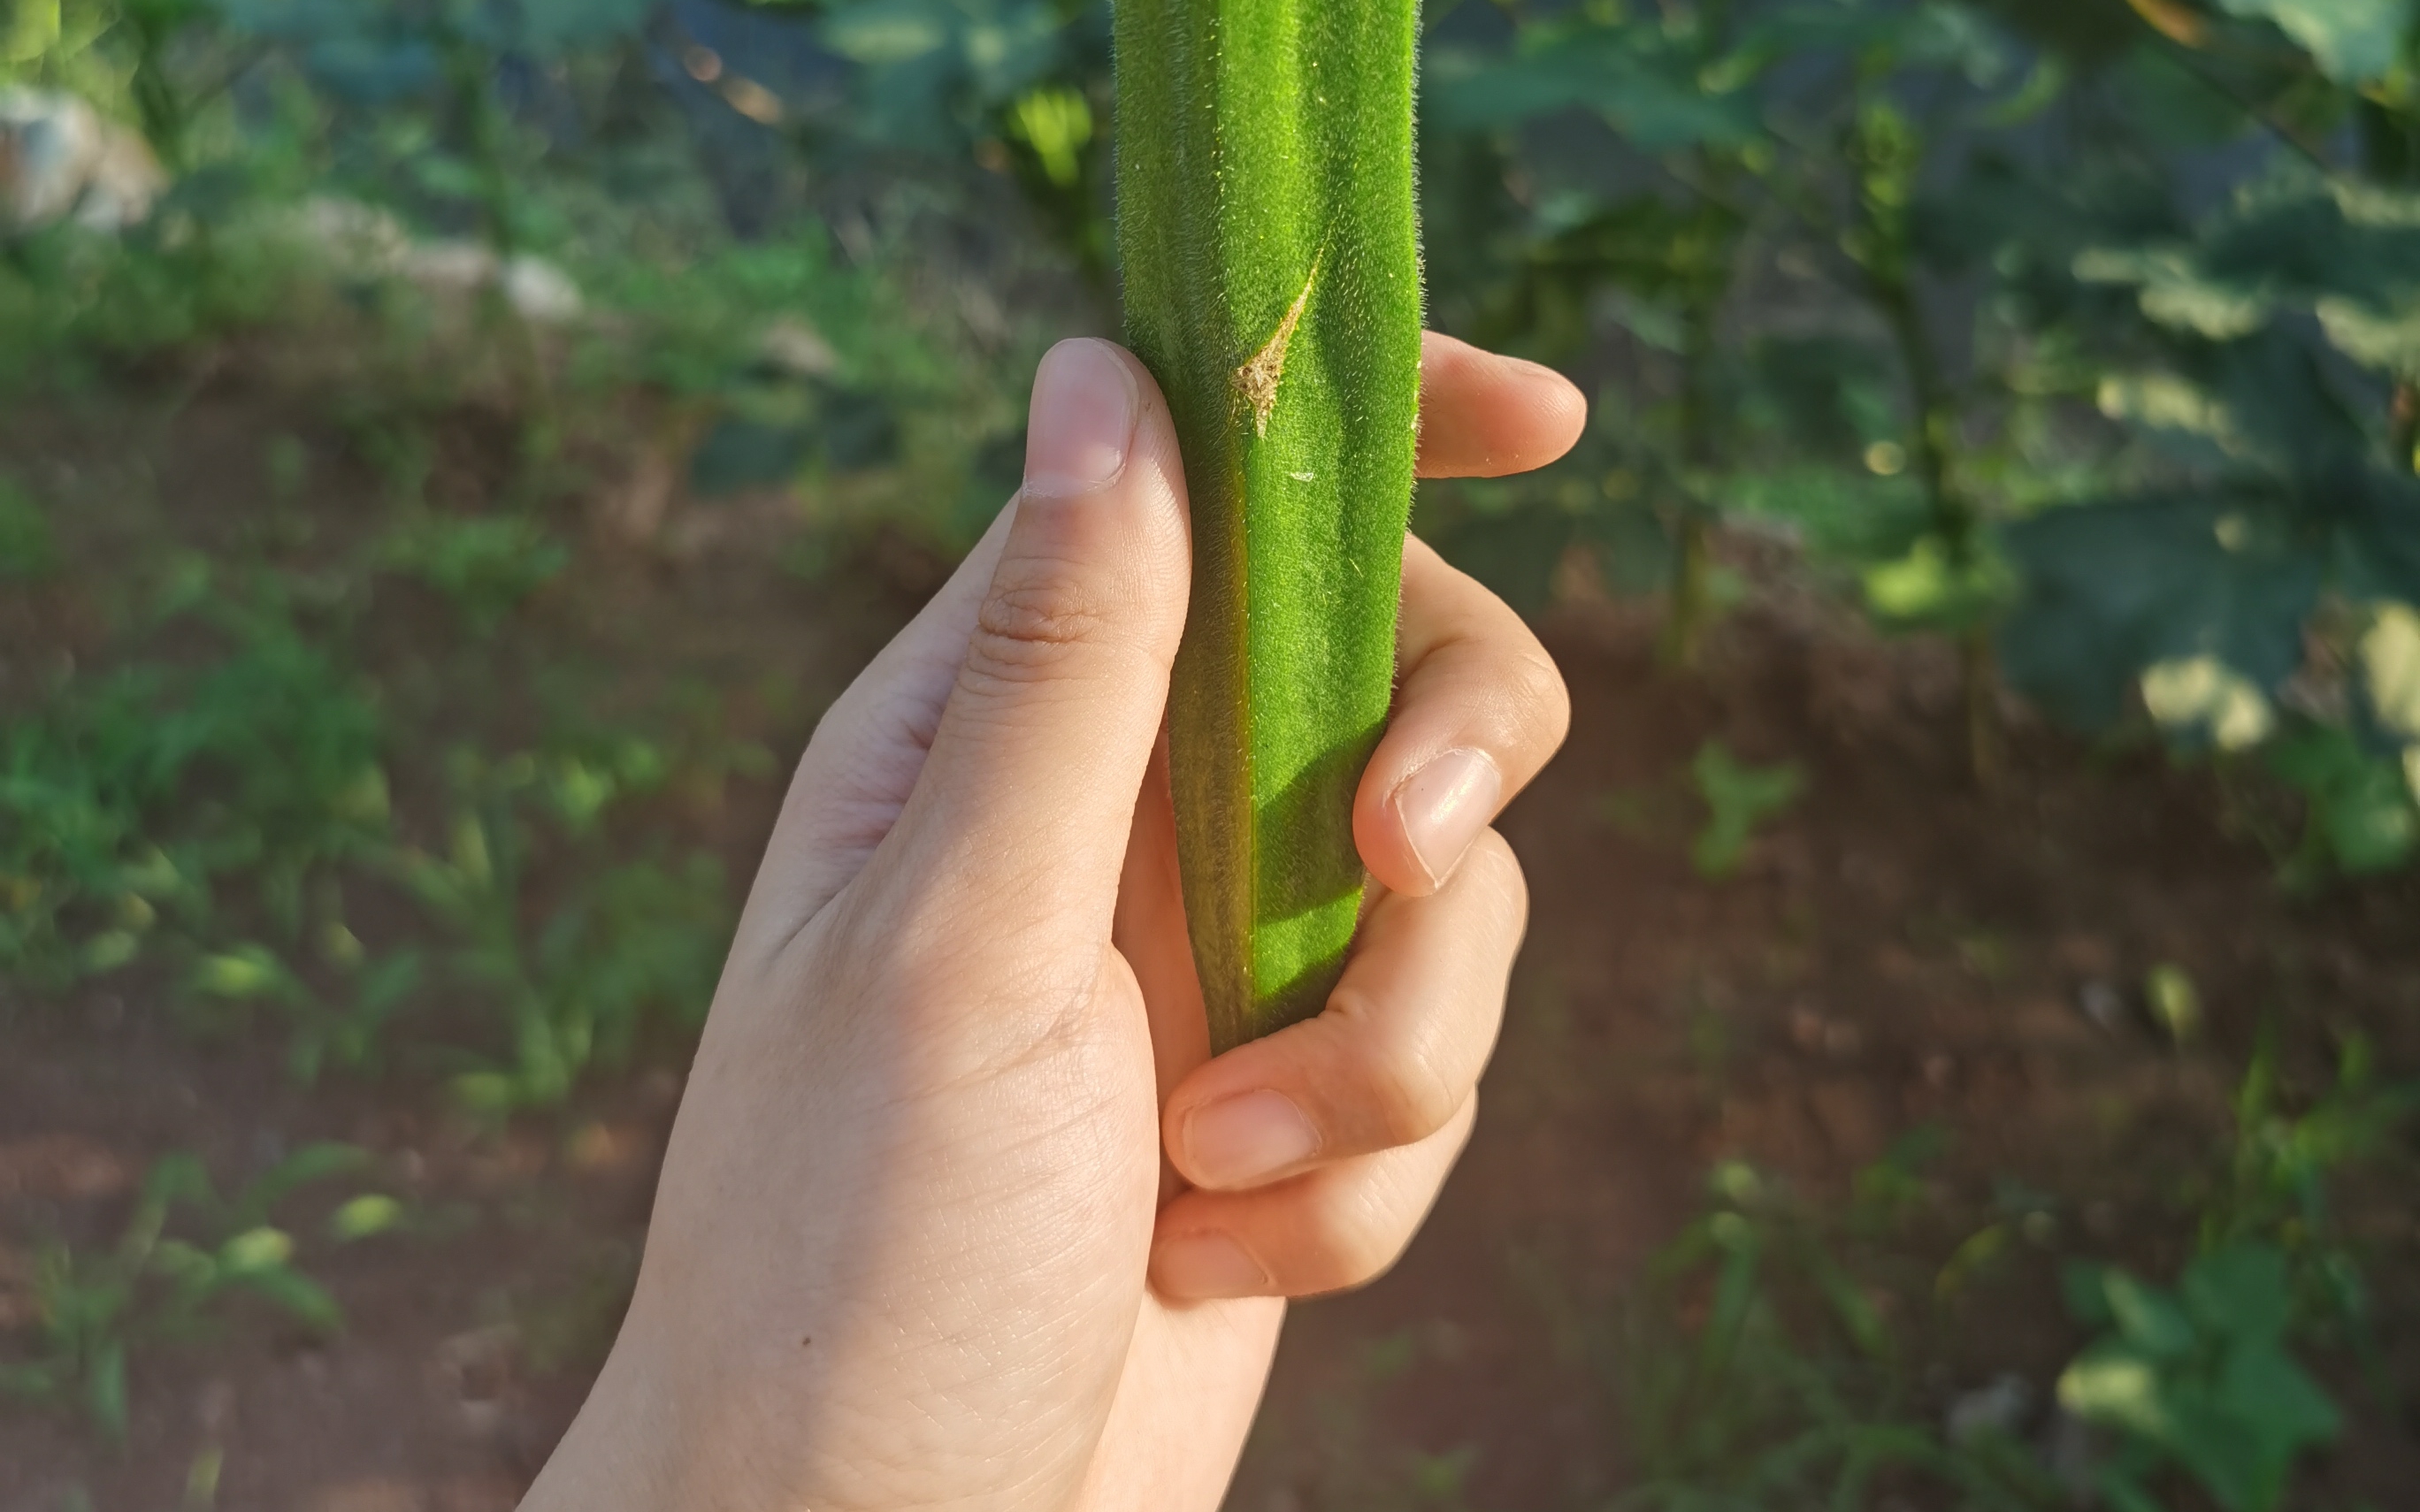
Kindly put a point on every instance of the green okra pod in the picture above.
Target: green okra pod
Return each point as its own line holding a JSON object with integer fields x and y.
{"x": 1270, "y": 257}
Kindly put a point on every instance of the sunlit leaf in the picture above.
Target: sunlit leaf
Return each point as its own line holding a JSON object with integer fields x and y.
{"x": 371, "y": 1213}
{"x": 2390, "y": 668}
{"x": 248, "y": 971}
{"x": 2174, "y": 1001}
{"x": 1057, "y": 123}
{"x": 110, "y": 950}
{"x": 2116, "y": 1382}
{"x": 255, "y": 1249}
{"x": 2353, "y": 40}
{"x": 2112, "y": 590}
{"x": 2202, "y": 697}
{"x": 1929, "y": 587}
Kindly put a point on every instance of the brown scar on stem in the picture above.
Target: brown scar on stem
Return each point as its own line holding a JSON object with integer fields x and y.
{"x": 1257, "y": 380}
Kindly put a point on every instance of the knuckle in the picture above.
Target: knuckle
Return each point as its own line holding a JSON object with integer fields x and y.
{"x": 1356, "y": 1246}
{"x": 1491, "y": 863}
{"x": 1038, "y": 618}
{"x": 1408, "y": 1095}
{"x": 1541, "y": 703}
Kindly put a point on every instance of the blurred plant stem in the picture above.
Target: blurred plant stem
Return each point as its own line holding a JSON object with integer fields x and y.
{"x": 487, "y": 132}
{"x": 2389, "y": 133}
{"x": 1886, "y": 149}
{"x": 1684, "y": 624}
{"x": 165, "y": 111}
{"x": 1705, "y": 279}
{"x": 1692, "y": 596}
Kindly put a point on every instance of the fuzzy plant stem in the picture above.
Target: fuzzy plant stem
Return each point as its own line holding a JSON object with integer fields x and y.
{"x": 1887, "y": 151}
{"x": 1693, "y": 562}
{"x": 1272, "y": 284}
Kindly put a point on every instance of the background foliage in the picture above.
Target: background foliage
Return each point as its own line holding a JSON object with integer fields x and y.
{"x": 2082, "y": 334}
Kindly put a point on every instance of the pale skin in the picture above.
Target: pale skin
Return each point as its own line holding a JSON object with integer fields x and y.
{"x": 958, "y": 1212}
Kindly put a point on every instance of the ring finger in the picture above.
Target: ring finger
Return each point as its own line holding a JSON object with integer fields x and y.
{"x": 1339, "y": 1227}
{"x": 1392, "y": 1058}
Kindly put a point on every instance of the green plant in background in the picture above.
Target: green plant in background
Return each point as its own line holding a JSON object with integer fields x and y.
{"x": 1059, "y": 165}
{"x": 1758, "y": 1373}
{"x": 2262, "y": 351}
{"x": 2274, "y": 1191}
{"x": 1674, "y": 251}
{"x": 28, "y": 551}
{"x": 344, "y": 1026}
{"x": 2049, "y": 321}
{"x": 1761, "y": 1368}
{"x": 2359, "y": 814}
{"x": 2204, "y": 1377}
{"x": 1951, "y": 578}
{"x": 2174, "y": 1002}
{"x": 2200, "y": 1378}
{"x": 185, "y": 1252}
{"x": 636, "y": 939}
{"x": 2085, "y": 341}
{"x": 1750, "y": 163}
{"x": 1020, "y": 84}
{"x": 487, "y": 564}
{"x": 1272, "y": 282}
{"x": 1738, "y": 799}
{"x": 125, "y": 796}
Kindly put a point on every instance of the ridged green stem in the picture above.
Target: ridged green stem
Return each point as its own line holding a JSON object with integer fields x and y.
{"x": 1272, "y": 284}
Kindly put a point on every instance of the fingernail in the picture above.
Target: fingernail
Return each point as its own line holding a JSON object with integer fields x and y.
{"x": 1445, "y": 805}
{"x": 1238, "y": 1140}
{"x": 1208, "y": 1265}
{"x": 1082, "y": 419}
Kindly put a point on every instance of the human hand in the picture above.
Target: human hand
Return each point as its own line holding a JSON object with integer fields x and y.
{"x": 915, "y": 1242}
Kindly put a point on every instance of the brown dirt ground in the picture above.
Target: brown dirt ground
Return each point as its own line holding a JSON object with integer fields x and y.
{"x": 1898, "y": 953}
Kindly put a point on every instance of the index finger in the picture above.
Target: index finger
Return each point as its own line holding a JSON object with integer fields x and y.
{"x": 1479, "y": 710}
{"x": 1488, "y": 416}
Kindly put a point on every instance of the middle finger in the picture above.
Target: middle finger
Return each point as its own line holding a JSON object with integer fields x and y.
{"x": 1395, "y": 1052}
{"x": 1480, "y": 709}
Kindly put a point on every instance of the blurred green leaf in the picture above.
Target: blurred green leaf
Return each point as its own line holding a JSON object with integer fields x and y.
{"x": 2354, "y": 42}
{"x": 1738, "y": 799}
{"x": 105, "y": 1389}
{"x": 2174, "y": 1001}
{"x": 28, "y": 552}
{"x": 297, "y": 1294}
{"x": 255, "y": 1249}
{"x": 1645, "y": 88}
{"x": 2110, "y": 590}
{"x": 314, "y": 1162}
{"x": 249, "y": 971}
{"x": 487, "y": 565}
{"x": 2361, "y": 814}
{"x": 364, "y": 1216}
{"x": 2202, "y": 1376}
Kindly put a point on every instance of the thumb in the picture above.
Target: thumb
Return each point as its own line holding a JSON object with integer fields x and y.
{"x": 1023, "y": 807}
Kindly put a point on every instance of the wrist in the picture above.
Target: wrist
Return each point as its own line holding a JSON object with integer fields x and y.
{"x": 615, "y": 1457}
